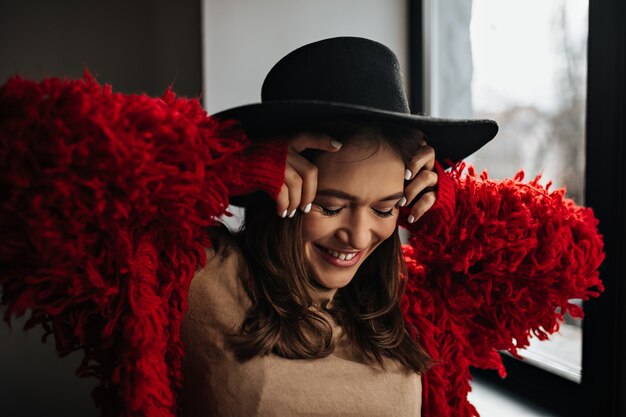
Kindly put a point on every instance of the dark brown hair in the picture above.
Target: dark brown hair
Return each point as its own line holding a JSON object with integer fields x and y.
{"x": 284, "y": 318}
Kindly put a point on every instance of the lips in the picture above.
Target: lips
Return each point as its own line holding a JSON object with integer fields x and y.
{"x": 344, "y": 263}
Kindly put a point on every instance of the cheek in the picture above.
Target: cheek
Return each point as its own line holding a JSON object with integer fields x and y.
{"x": 385, "y": 231}
{"x": 389, "y": 229}
{"x": 314, "y": 228}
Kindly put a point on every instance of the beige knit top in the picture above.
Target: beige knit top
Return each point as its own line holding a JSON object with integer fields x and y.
{"x": 216, "y": 384}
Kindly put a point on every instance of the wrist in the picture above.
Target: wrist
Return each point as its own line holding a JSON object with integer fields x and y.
{"x": 262, "y": 168}
{"x": 442, "y": 211}
{"x": 445, "y": 205}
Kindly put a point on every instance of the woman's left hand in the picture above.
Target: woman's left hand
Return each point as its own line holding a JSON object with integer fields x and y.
{"x": 420, "y": 172}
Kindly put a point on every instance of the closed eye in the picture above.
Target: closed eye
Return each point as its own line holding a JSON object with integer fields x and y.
{"x": 384, "y": 213}
{"x": 329, "y": 212}
{"x": 335, "y": 212}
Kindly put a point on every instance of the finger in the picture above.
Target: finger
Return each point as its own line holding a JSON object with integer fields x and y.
{"x": 293, "y": 181}
{"x": 308, "y": 173}
{"x": 422, "y": 205}
{"x": 423, "y": 180}
{"x": 282, "y": 202}
{"x": 424, "y": 158}
{"x": 309, "y": 140}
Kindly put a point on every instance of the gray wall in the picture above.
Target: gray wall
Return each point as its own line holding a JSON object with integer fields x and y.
{"x": 136, "y": 46}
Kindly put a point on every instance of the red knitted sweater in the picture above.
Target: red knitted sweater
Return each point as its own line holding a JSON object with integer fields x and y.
{"x": 105, "y": 200}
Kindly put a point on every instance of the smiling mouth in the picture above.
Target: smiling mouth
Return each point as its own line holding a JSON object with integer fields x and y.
{"x": 340, "y": 259}
{"x": 344, "y": 256}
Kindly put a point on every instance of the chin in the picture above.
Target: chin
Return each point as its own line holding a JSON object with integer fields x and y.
{"x": 333, "y": 283}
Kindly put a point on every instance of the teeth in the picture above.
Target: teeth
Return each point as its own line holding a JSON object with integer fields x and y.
{"x": 341, "y": 256}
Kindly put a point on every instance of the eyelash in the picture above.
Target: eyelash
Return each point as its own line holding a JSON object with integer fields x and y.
{"x": 330, "y": 213}
{"x": 384, "y": 214}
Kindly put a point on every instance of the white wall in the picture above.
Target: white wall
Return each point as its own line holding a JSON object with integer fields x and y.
{"x": 244, "y": 38}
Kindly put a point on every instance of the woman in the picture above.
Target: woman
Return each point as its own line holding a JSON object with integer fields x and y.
{"x": 282, "y": 350}
{"x": 107, "y": 216}
{"x": 343, "y": 250}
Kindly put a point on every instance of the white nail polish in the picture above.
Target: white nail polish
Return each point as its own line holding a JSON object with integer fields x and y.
{"x": 411, "y": 218}
{"x": 336, "y": 144}
{"x": 403, "y": 201}
{"x": 407, "y": 174}
{"x": 284, "y": 214}
{"x": 293, "y": 213}
{"x": 308, "y": 208}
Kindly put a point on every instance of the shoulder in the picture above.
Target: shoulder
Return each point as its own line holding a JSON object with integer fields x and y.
{"x": 224, "y": 247}
{"x": 217, "y": 289}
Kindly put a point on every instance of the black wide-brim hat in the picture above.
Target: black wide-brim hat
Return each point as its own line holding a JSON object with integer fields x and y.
{"x": 350, "y": 77}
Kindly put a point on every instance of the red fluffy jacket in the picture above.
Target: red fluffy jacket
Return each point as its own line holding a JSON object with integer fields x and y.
{"x": 104, "y": 207}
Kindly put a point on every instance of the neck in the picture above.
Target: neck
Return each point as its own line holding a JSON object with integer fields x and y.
{"x": 321, "y": 293}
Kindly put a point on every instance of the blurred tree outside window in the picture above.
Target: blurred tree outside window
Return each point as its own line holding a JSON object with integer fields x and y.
{"x": 522, "y": 63}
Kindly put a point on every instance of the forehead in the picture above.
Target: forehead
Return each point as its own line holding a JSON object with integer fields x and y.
{"x": 366, "y": 170}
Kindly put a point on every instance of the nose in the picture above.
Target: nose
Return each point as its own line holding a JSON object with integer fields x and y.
{"x": 357, "y": 231}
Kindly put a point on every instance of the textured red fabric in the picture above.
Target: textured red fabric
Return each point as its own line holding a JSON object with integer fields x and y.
{"x": 262, "y": 164}
{"x": 105, "y": 200}
{"x": 104, "y": 206}
{"x": 501, "y": 268}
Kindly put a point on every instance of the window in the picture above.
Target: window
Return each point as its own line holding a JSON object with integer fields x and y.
{"x": 600, "y": 391}
{"x": 524, "y": 65}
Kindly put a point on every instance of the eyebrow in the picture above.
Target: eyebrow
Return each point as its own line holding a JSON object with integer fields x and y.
{"x": 349, "y": 197}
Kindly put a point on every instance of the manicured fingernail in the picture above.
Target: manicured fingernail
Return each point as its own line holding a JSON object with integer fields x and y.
{"x": 293, "y": 213}
{"x": 284, "y": 214}
{"x": 411, "y": 218}
{"x": 336, "y": 144}
{"x": 407, "y": 174}
{"x": 403, "y": 201}
{"x": 308, "y": 208}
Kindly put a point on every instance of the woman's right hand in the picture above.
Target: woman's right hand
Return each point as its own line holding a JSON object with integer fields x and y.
{"x": 300, "y": 186}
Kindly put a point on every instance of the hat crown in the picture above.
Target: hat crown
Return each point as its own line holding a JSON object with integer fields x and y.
{"x": 347, "y": 70}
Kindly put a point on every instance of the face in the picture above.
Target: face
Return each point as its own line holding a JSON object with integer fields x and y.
{"x": 354, "y": 211}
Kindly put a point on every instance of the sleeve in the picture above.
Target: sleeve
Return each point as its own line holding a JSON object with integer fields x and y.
{"x": 105, "y": 203}
{"x": 490, "y": 265}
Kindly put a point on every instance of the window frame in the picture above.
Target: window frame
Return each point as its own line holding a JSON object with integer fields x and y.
{"x": 604, "y": 327}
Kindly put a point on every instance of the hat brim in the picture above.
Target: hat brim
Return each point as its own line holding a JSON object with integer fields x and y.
{"x": 453, "y": 139}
